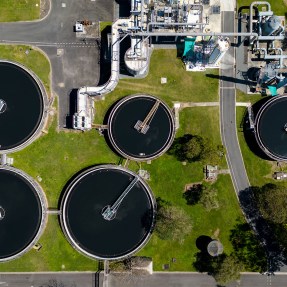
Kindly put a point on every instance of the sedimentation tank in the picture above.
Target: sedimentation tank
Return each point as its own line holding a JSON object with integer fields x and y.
{"x": 22, "y": 213}
{"x": 141, "y": 127}
{"x": 107, "y": 212}
{"x": 271, "y": 128}
{"x": 21, "y": 106}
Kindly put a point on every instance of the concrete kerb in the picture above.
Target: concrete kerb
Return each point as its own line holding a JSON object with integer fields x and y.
{"x": 44, "y": 205}
{"x": 44, "y": 116}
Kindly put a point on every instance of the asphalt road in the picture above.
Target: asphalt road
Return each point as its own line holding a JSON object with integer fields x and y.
{"x": 163, "y": 279}
{"x": 158, "y": 279}
{"x": 74, "y": 62}
{"x": 234, "y": 156}
{"x": 77, "y": 279}
{"x": 228, "y": 114}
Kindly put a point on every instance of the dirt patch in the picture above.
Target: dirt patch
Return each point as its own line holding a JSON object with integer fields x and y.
{"x": 44, "y": 8}
{"x": 190, "y": 185}
{"x": 216, "y": 233}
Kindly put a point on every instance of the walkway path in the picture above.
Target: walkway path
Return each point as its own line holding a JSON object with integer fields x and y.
{"x": 204, "y": 104}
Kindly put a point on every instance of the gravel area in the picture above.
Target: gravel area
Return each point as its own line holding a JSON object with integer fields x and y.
{"x": 44, "y": 8}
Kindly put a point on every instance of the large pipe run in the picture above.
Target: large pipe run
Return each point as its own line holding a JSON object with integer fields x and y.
{"x": 112, "y": 82}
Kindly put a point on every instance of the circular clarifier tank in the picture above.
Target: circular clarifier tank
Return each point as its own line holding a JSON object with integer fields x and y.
{"x": 141, "y": 127}
{"x": 22, "y": 213}
{"x": 21, "y": 106}
{"x": 271, "y": 128}
{"x": 107, "y": 212}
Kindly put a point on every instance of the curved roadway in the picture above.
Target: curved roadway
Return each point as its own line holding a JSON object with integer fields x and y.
{"x": 233, "y": 153}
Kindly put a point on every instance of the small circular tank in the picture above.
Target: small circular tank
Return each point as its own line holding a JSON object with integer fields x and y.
{"x": 137, "y": 57}
{"x": 21, "y": 106}
{"x": 141, "y": 127}
{"x": 107, "y": 212}
{"x": 22, "y": 213}
{"x": 271, "y": 128}
{"x": 215, "y": 248}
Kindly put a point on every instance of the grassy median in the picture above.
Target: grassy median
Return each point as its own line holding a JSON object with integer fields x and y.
{"x": 278, "y": 6}
{"x": 20, "y": 10}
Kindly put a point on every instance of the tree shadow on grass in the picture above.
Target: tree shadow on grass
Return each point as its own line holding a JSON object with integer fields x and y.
{"x": 202, "y": 242}
{"x": 206, "y": 263}
{"x": 193, "y": 194}
{"x": 262, "y": 229}
{"x": 249, "y": 135}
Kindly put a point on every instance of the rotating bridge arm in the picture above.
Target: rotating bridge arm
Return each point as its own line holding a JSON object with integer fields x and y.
{"x": 143, "y": 126}
{"x": 109, "y": 212}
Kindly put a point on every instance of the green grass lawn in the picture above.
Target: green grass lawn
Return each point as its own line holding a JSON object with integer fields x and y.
{"x": 57, "y": 156}
{"x": 181, "y": 86}
{"x": 278, "y": 6}
{"x": 19, "y": 10}
{"x": 245, "y": 98}
{"x": 259, "y": 170}
{"x": 30, "y": 57}
{"x": 168, "y": 179}
{"x": 56, "y": 254}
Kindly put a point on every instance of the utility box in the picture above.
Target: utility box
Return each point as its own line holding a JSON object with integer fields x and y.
{"x": 79, "y": 27}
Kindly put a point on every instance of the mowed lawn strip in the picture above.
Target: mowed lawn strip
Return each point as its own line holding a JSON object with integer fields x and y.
{"x": 277, "y": 6}
{"x": 56, "y": 254}
{"x": 31, "y": 57}
{"x": 19, "y": 10}
{"x": 259, "y": 170}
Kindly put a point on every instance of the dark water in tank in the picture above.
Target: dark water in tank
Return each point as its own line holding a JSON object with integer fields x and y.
{"x": 137, "y": 144}
{"x": 271, "y": 127}
{"x": 24, "y": 106}
{"x": 91, "y": 231}
{"x": 22, "y": 213}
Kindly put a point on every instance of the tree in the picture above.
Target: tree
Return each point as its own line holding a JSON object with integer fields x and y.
{"x": 193, "y": 194}
{"x": 206, "y": 263}
{"x": 211, "y": 153}
{"x": 228, "y": 270}
{"x": 192, "y": 148}
{"x": 271, "y": 201}
{"x": 209, "y": 199}
{"x": 247, "y": 248}
{"x": 172, "y": 223}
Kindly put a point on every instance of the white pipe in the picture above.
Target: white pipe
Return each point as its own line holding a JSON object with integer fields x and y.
{"x": 273, "y": 57}
{"x": 115, "y": 69}
{"x": 192, "y": 33}
{"x": 251, "y": 12}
